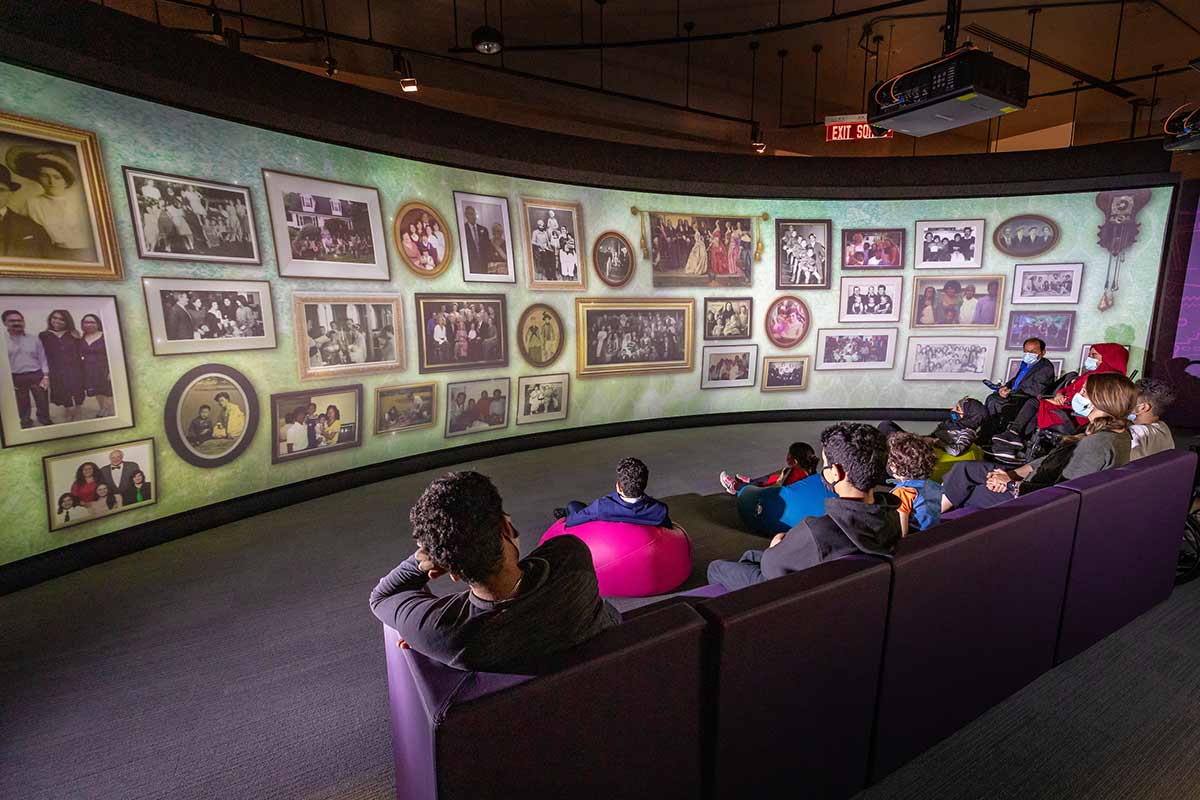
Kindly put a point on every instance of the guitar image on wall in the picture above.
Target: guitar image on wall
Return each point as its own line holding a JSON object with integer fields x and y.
{"x": 1117, "y": 234}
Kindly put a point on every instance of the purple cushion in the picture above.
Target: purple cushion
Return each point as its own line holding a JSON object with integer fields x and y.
{"x": 633, "y": 560}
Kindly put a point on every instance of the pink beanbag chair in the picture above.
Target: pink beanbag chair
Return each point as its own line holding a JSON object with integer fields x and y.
{"x": 633, "y": 560}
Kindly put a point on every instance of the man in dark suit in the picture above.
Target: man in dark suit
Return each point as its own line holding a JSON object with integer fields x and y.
{"x": 177, "y": 320}
{"x": 20, "y": 237}
{"x": 1033, "y": 379}
{"x": 118, "y": 473}
{"x": 477, "y": 243}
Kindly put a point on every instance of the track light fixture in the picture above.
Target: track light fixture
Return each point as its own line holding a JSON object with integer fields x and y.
{"x": 403, "y": 67}
{"x": 331, "y": 66}
{"x": 756, "y": 138}
{"x": 486, "y": 39}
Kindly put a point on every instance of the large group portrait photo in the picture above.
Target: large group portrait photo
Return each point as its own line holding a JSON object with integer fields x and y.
{"x": 628, "y": 336}
{"x": 1048, "y": 284}
{"x": 347, "y": 334}
{"x": 477, "y": 406}
{"x": 186, "y": 219}
{"x": 856, "y": 348}
{"x": 542, "y": 398}
{"x": 870, "y": 299}
{"x": 56, "y": 217}
{"x": 461, "y": 331}
{"x": 802, "y": 253}
{"x": 202, "y": 316}
{"x": 486, "y": 236}
{"x": 700, "y": 249}
{"x": 405, "y": 408}
{"x": 88, "y": 485}
{"x": 554, "y": 234}
{"x": 785, "y": 373}
{"x": 957, "y": 301}
{"x": 873, "y": 248}
{"x": 211, "y": 415}
{"x": 316, "y": 422}
{"x": 65, "y": 374}
{"x": 950, "y": 358}
{"x": 423, "y": 239}
{"x": 950, "y": 244}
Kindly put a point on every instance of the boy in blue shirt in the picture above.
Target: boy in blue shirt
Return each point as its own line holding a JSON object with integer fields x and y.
{"x": 629, "y": 503}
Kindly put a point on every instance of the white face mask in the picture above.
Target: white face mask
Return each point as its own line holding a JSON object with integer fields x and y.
{"x": 1081, "y": 405}
{"x": 1090, "y": 363}
{"x": 1030, "y": 358}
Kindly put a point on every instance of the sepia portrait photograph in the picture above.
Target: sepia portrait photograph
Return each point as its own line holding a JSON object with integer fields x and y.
{"x": 461, "y": 331}
{"x": 856, "y": 348}
{"x": 612, "y": 258}
{"x": 957, "y": 301}
{"x": 477, "y": 406}
{"x": 631, "y": 336}
{"x": 211, "y": 415}
{"x": 802, "y": 253}
{"x": 56, "y": 217}
{"x": 1047, "y": 284}
{"x": 542, "y": 398}
{"x": 186, "y": 219}
{"x": 405, "y": 408}
{"x": 202, "y": 316}
{"x": 873, "y": 248}
{"x": 347, "y": 334}
{"x": 787, "y": 321}
{"x": 728, "y": 366}
{"x": 423, "y": 239}
{"x": 1055, "y": 328}
{"x": 309, "y": 423}
{"x": 950, "y": 244}
{"x": 700, "y": 249}
{"x": 540, "y": 335}
{"x": 1025, "y": 235}
{"x": 728, "y": 317}
{"x": 950, "y": 358}
{"x": 88, "y": 485}
{"x": 870, "y": 299}
{"x": 554, "y": 233}
{"x": 486, "y": 236}
{"x": 785, "y": 373}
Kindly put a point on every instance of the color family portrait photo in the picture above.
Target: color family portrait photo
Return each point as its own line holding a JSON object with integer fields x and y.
{"x": 186, "y": 219}
{"x": 461, "y": 331}
{"x": 950, "y": 358}
{"x": 347, "y": 334}
{"x": 700, "y": 249}
{"x": 871, "y": 248}
{"x": 728, "y": 366}
{"x": 405, "y": 408}
{"x": 627, "y": 336}
{"x": 1055, "y": 328}
{"x": 959, "y": 301}
{"x": 211, "y": 415}
{"x": 787, "y": 321}
{"x": 486, "y": 236}
{"x": 856, "y": 348}
{"x": 88, "y": 485}
{"x": 205, "y": 316}
{"x": 477, "y": 406}
{"x": 317, "y": 422}
{"x": 423, "y": 239}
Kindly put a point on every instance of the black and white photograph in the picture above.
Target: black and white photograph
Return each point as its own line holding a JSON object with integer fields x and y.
{"x": 728, "y": 317}
{"x": 728, "y": 366}
{"x": 211, "y": 415}
{"x": 612, "y": 258}
{"x": 405, "y": 408}
{"x": 347, "y": 334}
{"x": 325, "y": 229}
{"x": 700, "y": 249}
{"x": 203, "y": 316}
{"x": 950, "y": 358}
{"x": 554, "y": 233}
{"x": 871, "y": 299}
{"x": 486, "y": 236}
{"x": 542, "y": 398}
{"x": 316, "y": 422}
{"x": 950, "y": 244}
{"x": 628, "y": 336}
{"x": 423, "y": 239}
{"x": 1014, "y": 366}
{"x": 477, "y": 406}
{"x": 56, "y": 218}
{"x": 957, "y": 301}
{"x": 1055, "y": 328}
{"x": 802, "y": 259}
{"x": 65, "y": 374}
{"x": 785, "y": 373}
{"x": 873, "y": 248}
{"x": 187, "y": 219}
{"x": 1047, "y": 284}
{"x": 89, "y": 485}
{"x": 461, "y": 331}
{"x": 856, "y": 348}
{"x": 1025, "y": 235}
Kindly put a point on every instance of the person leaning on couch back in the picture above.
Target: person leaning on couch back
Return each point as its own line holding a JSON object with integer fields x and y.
{"x": 516, "y": 613}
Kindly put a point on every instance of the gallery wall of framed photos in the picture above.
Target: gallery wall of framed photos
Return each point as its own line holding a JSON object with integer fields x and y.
{"x": 216, "y": 309}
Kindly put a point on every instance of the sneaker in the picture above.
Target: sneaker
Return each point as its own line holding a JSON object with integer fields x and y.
{"x": 744, "y": 478}
{"x": 1009, "y": 437}
{"x": 729, "y": 482}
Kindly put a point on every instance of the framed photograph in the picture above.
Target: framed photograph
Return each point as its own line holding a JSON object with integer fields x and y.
{"x": 957, "y": 301}
{"x": 542, "y": 398}
{"x": 477, "y": 406}
{"x": 187, "y": 219}
{"x": 612, "y": 258}
{"x": 1053, "y": 327}
{"x": 423, "y": 239}
{"x": 873, "y": 248}
{"x": 617, "y": 337}
{"x": 65, "y": 374}
{"x": 405, "y": 408}
{"x": 1047, "y": 284}
{"x": 540, "y": 335}
{"x": 486, "y": 235}
{"x": 1014, "y": 364}
{"x": 211, "y": 415}
{"x": 554, "y": 234}
{"x": 1083, "y": 354}
{"x": 88, "y": 485}
{"x": 856, "y": 348}
{"x": 871, "y": 299}
{"x": 347, "y": 334}
{"x": 325, "y": 229}
{"x": 950, "y": 358}
{"x": 58, "y": 218}
{"x": 461, "y": 331}
{"x": 787, "y": 321}
{"x": 728, "y": 366}
{"x": 785, "y": 373}
{"x": 310, "y": 423}
{"x": 950, "y": 244}
{"x": 1026, "y": 236}
{"x": 728, "y": 318}
{"x": 700, "y": 249}
{"x": 802, "y": 253}
{"x": 208, "y": 316}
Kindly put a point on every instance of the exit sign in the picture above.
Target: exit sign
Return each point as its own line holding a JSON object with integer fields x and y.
{"x": 851, "y": 128}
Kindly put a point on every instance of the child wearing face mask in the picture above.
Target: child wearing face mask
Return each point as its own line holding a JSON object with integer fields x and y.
{"x": 957, "y": 432}
{"x": 1150, "y": 434}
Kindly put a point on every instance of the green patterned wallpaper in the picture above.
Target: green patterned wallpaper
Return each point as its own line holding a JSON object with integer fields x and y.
{"x": 146, "y": 135}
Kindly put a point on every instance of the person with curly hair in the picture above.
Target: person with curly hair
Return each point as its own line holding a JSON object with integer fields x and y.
{"x": 629, "y": 503}
{"x": 911, "y": 459}
{"x": 1150, "y": 434}
{"x": 517, "y": 615}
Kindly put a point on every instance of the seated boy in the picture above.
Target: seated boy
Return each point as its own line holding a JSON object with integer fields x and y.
{"x": 201, "y": 428}
{"x": 800, "y": 462}
{"x": 629, "y": 503}
{"x": 853, "y": 458}
{"x": 910, "y": 460}
{"x": 516, "y": 613}
{"x": 1150, "y": 434}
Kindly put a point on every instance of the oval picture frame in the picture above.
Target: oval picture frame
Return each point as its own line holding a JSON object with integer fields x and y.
{"x": 174, "y": 424}
{"x": 596, "y": 259}
{"x": 523, "y": 345}
{"x": 786, "y": 343}
{"x": 1006, "y": 240}
{"x": 409, "y": 213}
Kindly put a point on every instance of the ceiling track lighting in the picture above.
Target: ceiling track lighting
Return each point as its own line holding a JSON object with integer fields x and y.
{"x": 486, "y": 39}
{"x": 403, "y": 67}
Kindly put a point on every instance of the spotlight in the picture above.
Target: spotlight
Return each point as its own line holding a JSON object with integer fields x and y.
{"x": 403, "y": 67}
{"x": 218, "y": 26}
{"x": 756, "y": 139}
{"x": 331, "y": 66}
{"x": 487, "y": 40}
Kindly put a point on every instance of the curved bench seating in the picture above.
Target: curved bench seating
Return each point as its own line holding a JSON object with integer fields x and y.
{"x": 633, "y": 560}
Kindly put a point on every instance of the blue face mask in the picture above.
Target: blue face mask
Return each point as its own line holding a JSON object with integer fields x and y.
{"x": 1090, "y": 363}
{"x": 1030, "y": 358}
{"x": 955, "y": 416}
{"x": 1081, "y": 405}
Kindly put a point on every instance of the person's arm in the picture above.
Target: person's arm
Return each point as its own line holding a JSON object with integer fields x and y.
{"x": 903, "y": 523}
{"x": 588, "y": 513}
{"x": 402, "y": 600}
{"x": 1092, "y": 454}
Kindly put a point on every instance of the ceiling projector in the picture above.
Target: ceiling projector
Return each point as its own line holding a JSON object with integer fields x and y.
{"x": 1183, "y": 129}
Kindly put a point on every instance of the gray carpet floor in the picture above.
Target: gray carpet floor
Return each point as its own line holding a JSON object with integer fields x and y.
{"x": 243, "y": 662}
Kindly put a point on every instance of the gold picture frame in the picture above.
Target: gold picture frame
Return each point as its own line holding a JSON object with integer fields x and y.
{"x": 386, "y": 427}
{"x": 71, "y": 161}
{"x": 779, "y": 383}
{"x": 408, "y": 216}
{"x": 367, "y": 340}
{"x": 595, "y": 354}
{"x": 545, "y": 271}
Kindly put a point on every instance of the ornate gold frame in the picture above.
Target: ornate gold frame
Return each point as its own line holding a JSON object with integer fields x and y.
{"x": 580, "y": 249}
{"x": 379, "y": 390}
{"x": 585, "y": 304}
{"x": 444, "y": 262}
{"x": 300, "y": 331}
{"x": 766, "y": 364}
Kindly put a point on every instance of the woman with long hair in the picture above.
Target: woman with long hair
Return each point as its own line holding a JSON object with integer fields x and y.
{"x": 925, "y": 306}
{"x": 60, "y": 341}
{"x": 333, "y": 425}
{"x": 93, "y": 350}
{"x": 87, "y": 477}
